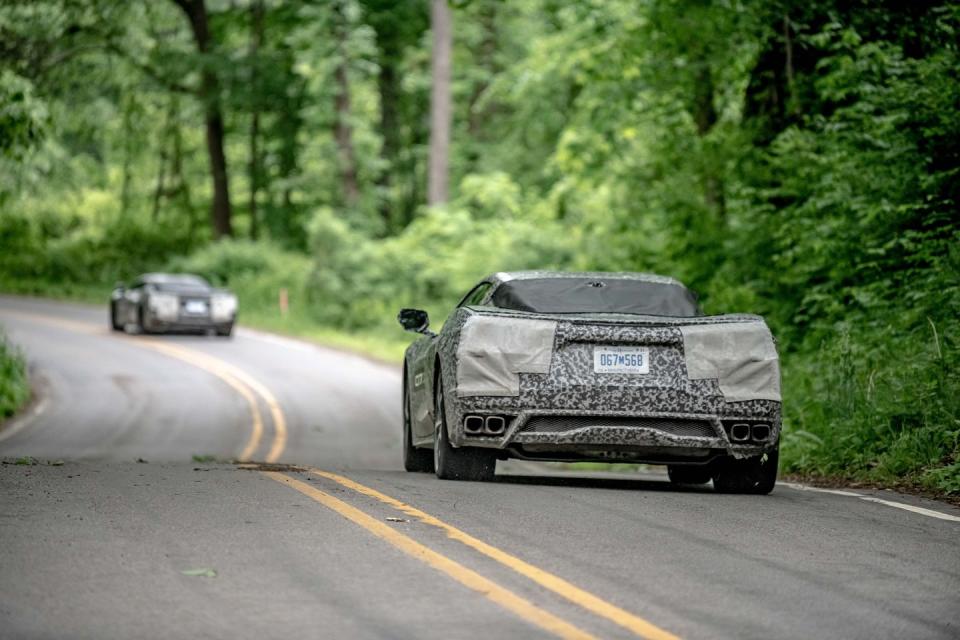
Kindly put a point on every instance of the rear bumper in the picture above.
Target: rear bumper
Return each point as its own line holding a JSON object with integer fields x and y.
{"x": 187, "y": 323}
{"x": 566, "y": 434}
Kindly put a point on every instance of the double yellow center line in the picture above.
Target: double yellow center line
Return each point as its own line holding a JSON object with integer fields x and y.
{"x": 246, "y": 386}
{"x": 509, "y": 600}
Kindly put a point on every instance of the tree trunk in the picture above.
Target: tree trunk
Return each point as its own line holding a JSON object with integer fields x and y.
{"x": 256, "y": 40}
{"x": 705, "y": 117}
{"x": 342, "y": 131}
{"x": 221, "y": 212}
{"x": 441, "y": 114}
{"x": 128, "y": 137}
{"x": 388, "y": 87}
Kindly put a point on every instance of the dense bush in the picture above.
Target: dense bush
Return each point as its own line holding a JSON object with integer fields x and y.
{"x": 54, "y": 246}
{"x": 14, "y": 386}
{"x": 255, "y": 271}
{"x": 357, "y": 282}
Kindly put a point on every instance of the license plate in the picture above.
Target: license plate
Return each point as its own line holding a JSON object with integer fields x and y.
{"x": 632, "y": 360}
{"x": 195, "y": 307}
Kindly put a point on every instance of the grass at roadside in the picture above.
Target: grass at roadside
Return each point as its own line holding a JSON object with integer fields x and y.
{"x": 388, "y": 349}
{"x": 14, "y": 384}
{"x": 89, "y": 293}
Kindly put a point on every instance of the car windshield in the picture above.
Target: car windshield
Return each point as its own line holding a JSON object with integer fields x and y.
{"x": 596, "y": 295}
{"x": 178, "y": 281}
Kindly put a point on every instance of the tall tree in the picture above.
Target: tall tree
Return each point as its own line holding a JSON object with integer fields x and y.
{"x": 343, "y": 133}
{"x": 399, "y": 28}
{"x": 209, "y": 92}
{"x": 256, "y": 41}
{"x": 441, "y": 113}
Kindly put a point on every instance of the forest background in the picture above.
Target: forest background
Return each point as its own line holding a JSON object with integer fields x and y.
{"x": 794, "y": 159}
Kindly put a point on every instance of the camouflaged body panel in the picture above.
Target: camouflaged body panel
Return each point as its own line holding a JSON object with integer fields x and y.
{"x": 494, "y": 351}
{"x": 572, "y": 388}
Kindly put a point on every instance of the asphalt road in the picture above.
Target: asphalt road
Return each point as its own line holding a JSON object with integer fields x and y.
{"x": 346, "y": 545}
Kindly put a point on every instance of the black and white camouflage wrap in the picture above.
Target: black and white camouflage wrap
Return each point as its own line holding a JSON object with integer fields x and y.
{"x": 572, "y": 388}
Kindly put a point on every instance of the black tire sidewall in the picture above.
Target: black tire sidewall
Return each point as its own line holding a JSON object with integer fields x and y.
{"x": 753, "y": 475}
{"x": 465, "y": 463}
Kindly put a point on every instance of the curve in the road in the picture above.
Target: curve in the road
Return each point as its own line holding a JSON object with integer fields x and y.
{"x": 240, "y": 381}
{"x": 246, "y": 385}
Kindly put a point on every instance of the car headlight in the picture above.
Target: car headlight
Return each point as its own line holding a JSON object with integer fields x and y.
{"x": 166, "y": 306}
{"x": 223, "y": 306}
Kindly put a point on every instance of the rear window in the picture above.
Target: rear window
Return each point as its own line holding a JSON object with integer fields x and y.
{"x": 178, "y": 280}
{"x": 596, "y": 295}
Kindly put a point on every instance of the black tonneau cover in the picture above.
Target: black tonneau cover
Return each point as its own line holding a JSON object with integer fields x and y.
{"x": 596, "y": 295}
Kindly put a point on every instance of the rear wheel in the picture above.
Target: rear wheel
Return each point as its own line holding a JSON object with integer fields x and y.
{"x": 113, "y": 318}
{"x": 463, "y": 463}
{"x": 142, "y": 322}
{"x": 225, "y": 330}
{"x": 688, "y": 474}
{"x": 414, "y": 459}
{"x": 757, "y": 475}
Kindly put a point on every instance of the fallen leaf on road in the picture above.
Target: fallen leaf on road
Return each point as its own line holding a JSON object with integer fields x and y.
{"x": 141, "y": 460}
{"x": 392, "y": 519}
{"x": 202, "y": 572}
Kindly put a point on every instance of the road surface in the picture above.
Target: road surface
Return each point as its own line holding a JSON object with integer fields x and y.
{"x": 326, "y": 537}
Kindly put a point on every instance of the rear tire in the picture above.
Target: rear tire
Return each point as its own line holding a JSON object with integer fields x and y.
{"x": 463, "y": 463}
{"x": 414, "y": 460}
{"x": 757, "y": 475}
{"x": 113, "y": 318}
{"x": 142, "y": 327}
{"x": 688, "y": 474}
{"x": 225, "y": 331}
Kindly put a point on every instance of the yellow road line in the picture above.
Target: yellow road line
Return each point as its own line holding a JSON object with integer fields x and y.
{"x": 467, "y": 577}
{"x": 211, "y": 367}
{"x": 276, "y": 413}
{"x": 234, "y": 377}
{"x": 554, "y": 583}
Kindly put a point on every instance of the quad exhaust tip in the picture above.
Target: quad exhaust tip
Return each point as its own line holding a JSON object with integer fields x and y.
{"x": 740, "y": 432}
{"x": 484, "y": 425}
{"x": 760, "y": 432}
{"x": 473, "y": 424}
{"x": 495, "y": 425}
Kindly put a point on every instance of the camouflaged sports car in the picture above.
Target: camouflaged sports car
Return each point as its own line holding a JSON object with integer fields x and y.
{"x": 612, "y": 367}
{"x": 165, "y": 302}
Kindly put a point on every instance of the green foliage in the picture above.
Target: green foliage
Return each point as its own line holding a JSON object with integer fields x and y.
{"x": 70, "y": 244}
{"x": 14, "y": 385}
{"x": 361, "y": 283}
{"x": 255, "y": 271}
{"x": 22, "y": 116}
{"x": 873, "y": 409}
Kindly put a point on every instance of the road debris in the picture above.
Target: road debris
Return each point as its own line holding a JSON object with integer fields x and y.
{"x": 200, "y": 572}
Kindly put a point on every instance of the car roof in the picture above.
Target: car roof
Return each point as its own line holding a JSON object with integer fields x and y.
{"x": 506, "y": 276}
{"x": 174, "y": 278}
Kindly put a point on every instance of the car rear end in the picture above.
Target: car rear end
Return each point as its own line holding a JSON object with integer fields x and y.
{"x": 679, "y": 391}
{"x": 191, "y": 310}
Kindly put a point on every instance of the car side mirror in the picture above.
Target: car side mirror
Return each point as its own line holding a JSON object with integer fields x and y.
{"x": 415, "y": 320}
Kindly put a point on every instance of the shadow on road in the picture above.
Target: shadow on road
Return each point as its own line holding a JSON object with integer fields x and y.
{"x": 592, "y": 482}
